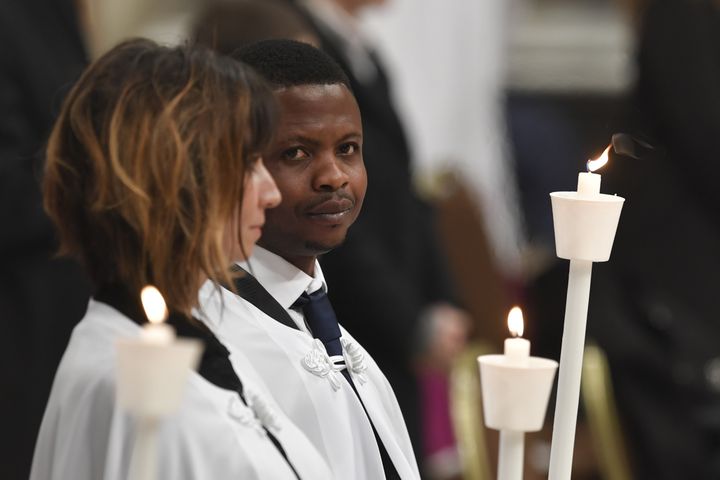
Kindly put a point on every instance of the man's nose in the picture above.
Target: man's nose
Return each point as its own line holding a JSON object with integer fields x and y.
{"x": 330, "y": 174}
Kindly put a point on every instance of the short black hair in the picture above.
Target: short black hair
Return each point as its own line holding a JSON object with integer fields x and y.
{"x": 287, "y": 63}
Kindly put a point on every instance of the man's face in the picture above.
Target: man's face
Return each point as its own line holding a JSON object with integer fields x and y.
{"x": 316, "y": 161}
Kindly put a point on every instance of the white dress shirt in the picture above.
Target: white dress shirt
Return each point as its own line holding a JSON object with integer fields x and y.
{"x": 214, "y": 435}
{"x": 294, "y": 366}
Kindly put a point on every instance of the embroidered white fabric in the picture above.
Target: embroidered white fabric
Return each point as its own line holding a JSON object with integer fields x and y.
{"x": 318, "y": 362}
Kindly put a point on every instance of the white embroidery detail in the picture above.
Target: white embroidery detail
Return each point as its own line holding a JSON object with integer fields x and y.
{"x": 245, "y": 415}
{"x": 355, "y": 359}
{"x": 319, "y": 363}
{"x": 263, "y": 411}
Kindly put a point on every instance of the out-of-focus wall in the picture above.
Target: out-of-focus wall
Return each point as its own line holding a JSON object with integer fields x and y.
{"x": 110, "y": 21}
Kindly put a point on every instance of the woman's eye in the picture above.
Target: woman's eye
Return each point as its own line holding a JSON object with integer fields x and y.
{"x": 348, "y": 149}
{"x": 295, "y": 153}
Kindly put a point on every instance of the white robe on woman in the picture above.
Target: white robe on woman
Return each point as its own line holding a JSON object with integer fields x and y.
{"x": 214, "y": 435}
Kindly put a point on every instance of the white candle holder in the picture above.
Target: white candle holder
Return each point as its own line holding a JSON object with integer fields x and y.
{"x": 585, "y": 227}
{"x": 151, "y": 379}
{"x": 515, "y": 399}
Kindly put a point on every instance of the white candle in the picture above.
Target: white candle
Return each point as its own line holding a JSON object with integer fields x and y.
{"x": 588, "y": 182}
{"x": 573, "y": 342}
{"x": 511, "y": 456}
{"x": 571, "y": 358}
{"x": 156, "y": 332}
{"x": 512, "y": 443}
{"x": 516, "y": 349}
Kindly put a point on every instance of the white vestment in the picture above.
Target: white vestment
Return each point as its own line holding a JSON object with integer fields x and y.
{"x": 214, "y": 435}
{"x": 294, "y": 366}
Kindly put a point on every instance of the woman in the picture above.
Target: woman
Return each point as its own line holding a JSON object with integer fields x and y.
{"x": 147, "y": 164}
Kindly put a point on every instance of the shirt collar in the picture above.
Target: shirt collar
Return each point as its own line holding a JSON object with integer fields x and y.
{"x": 283, "y": 280}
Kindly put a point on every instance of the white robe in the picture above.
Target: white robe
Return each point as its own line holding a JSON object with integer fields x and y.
{"x": 84, "y": 436}
{"x": 332, "y": 418}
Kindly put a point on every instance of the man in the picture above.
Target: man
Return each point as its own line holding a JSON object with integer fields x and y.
{"x": 394, "y": 241}
{"x": 322, "y": 378}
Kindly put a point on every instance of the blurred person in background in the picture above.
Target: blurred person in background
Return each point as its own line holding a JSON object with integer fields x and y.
{"x": 41, "y": 297}
{"x": 658, "y": 316}
{"x": 227, "y": 26}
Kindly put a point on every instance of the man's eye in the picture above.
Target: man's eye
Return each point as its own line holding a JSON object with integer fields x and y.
{"x": 295, "y": 153}
{"x": 348, "y": 148}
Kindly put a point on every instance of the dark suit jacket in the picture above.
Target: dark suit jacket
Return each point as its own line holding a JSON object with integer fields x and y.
{"x": 41, "y": 299}
{"x": 655, "y": 305}
{"x": 390, "y": 267}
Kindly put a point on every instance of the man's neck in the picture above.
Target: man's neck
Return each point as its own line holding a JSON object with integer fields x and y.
{"x": 306, "y": 264}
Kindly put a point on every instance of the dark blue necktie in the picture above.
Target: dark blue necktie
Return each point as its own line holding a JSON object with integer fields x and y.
{"x": 322, "y": 321}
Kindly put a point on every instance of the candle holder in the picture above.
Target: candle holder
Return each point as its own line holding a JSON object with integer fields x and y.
{"x": 585, "y": 226}
{"x": 515, "y": 399}
{"x": 151, "y": 379}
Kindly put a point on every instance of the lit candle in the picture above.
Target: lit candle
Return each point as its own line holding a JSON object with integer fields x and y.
{"x": 156, "y": 332}
{"x": 585, "y": 225}
{"x": 517, "y": 350}
{"x": 511, "y": 448}
{"x": 515, "y": 392}
{"x": 589, "y": 182}
{"x": 151, "y": 374}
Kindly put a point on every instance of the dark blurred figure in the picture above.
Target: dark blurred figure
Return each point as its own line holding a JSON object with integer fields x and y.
{"x": 41, "y": 299}
{"x": 389, "y": 280}
{"x": 658, "y": 316}
{"x": 227, "y": 26}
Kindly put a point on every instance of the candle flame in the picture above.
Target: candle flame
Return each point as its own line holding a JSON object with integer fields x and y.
{"x": 153, "y": 304}
{"x": 599, "y": 162}
{"x": 515, "y": 322}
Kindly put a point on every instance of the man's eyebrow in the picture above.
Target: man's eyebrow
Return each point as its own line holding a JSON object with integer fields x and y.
{"x": 351, "y": 136}
{"x": 301, "y": 139}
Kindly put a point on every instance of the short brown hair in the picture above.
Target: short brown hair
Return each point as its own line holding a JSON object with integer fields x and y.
{"x": 146, "y": 165}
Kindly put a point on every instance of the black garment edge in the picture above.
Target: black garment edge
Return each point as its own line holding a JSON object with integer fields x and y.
{"x": 251, "y": 290}
{"x": 215, "y": 366}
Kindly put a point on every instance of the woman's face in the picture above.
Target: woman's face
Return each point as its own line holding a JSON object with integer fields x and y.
{"x": 259, "y": 193}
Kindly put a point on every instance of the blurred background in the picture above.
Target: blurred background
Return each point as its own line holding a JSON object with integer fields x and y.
{"x": 474, "y": 112}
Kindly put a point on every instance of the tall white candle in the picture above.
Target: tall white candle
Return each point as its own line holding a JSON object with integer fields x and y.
{"x": 573, "y": 342}
{"x": 511, "y": 456}
{"x": 143, "y": 462}
{"x": 571, "y": 358}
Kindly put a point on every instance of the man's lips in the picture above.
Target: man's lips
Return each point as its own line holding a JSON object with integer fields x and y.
{"x": 332, "y": 207}
{"x": 331, "y": 212}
